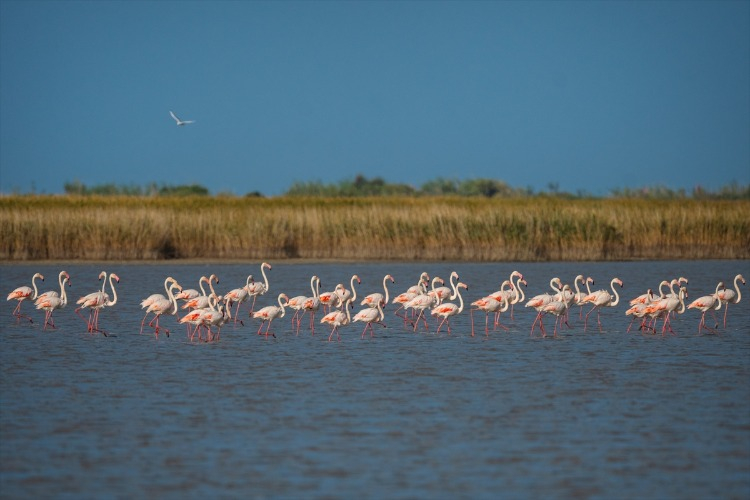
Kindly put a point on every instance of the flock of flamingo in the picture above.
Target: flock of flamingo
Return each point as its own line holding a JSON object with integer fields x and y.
{"x": 205, "y": 312}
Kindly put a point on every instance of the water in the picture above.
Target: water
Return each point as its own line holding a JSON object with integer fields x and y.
{"x": 402, "y": 415}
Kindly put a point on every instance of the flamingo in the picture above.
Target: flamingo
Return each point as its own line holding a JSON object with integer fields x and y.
{"x": 50, "y": 303}
{"x": 541, "y": 300}
{"x": 638, "y": 310}
{"x": 422, "y": 302}
{"x": 337, "y": 319}
{"x": 489, "y": 305}
{"x": 298, "y": 303}
{"x": 704, "y": 304}
{"x": 195, "y": 317}
{"x": 602, "y": 298}
{"x": 161, "y": 307}
{"x": 180, "y": 123}
{"x": 444, "y": 292}
{"x": 201, "y": 301}
{"x": 404, "y": 298}
{"x": 506, "y": 294}
{"x": 449, "y": 309}
{"x": 370, "y": 316}
{"x": 312, "y": 305}
{"x": 157, "y": 297}
{"x": 345, "y": 295}
{"x": 97, "y": 302}
{"x": 270, "y": 313}
{"x": 257, "y": 288}
{"x": 731, "y": 296}
{"x": 24, "y": 293}
{"x": 93, "y": 299}
{"x": 374, "y": 299}
{"x": 238, "y": 295}
{"x": 559, "y": 308}
{"x": 53, "y": 293}
{"x": 664, "y": 308}
{"x": 579, "y": 295}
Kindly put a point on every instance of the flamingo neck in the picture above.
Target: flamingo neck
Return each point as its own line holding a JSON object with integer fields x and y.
{"x": 33, "y": 283}
{"x": 265, "y": 278}
{"x": 617, "y": 295}
{"x": 114, "y": 292}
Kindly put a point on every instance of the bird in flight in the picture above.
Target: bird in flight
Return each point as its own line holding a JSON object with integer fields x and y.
{"x": 181, "y": 122}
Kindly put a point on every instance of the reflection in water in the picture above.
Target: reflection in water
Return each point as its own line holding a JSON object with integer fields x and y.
{"x": 594, "y": 414}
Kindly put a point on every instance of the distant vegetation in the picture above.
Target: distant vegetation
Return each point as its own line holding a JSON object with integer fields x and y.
{"x": 362, "y": 186}
{"x": 408, "y": 228}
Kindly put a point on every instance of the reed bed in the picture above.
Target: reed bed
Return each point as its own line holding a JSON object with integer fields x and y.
{"x": 447, "y": 228}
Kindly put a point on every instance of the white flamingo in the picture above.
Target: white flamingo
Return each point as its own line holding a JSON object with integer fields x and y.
{"x": 374, "y": 299}
{"x": 729, "y": 296}
{"x": 337, "y": 319}
{"x": 161, "y": 307}
{"x": 257, "y": 288}
{"x": 448, "y": 309}
{"x": 270, "y": 313}
{"x": 50, "y": 303}
{"x": 602, "y": 298}
{"x": 370, "y": 316}
{"x": 24, "y": 293}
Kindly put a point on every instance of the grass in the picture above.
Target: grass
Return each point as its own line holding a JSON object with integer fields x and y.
{"x": 445, "y": 228}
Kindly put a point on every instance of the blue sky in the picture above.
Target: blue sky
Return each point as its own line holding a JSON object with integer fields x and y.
{"x": 589, "y": 95}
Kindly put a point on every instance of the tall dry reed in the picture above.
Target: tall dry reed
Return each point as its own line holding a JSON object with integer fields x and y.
{"x": 449, "y": 228}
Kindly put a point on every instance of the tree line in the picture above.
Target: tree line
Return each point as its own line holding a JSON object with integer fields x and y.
{"x": 361, "y": 186}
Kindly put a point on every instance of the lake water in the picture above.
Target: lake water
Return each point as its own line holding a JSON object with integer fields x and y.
{"x": 402, "y": 415}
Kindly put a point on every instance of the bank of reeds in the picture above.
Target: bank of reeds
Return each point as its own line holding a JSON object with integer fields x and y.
{"x": 449, "y": 228}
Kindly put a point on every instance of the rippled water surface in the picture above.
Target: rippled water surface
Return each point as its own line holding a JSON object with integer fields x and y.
{"x": 595, "y": 414}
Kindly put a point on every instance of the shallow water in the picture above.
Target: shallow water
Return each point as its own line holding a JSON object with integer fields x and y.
{"x": 595, "y": 414}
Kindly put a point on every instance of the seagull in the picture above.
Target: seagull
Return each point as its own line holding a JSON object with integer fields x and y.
{"x": 180, "y": 122}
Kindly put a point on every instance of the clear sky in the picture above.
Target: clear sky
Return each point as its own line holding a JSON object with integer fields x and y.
{"x": 589, "y": 95}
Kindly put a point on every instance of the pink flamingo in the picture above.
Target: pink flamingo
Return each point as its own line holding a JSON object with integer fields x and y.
{"x": 298, "y": 303}
{"x": 489, "y": 305}
{"x": 196, "y": 317}
{"x": 92, "y": 299}
{"x": 663, "y": 308}
{"x": 50, "y": 303}
{"x": 559, "y": 308}
{"x": 422, "y": 302}
{"x": 53, "y": 293}
{"x": 448, "y": 309}
{"x": 374, "y": 299}
{"x": 337, "y": 319}
{"x": 541, "y": 300}
{"x": 312, "y": 305}
{"x": 24, "y": 293}
{"x": 162, "y": 307}
{"x": 345, "y": 295}
{"x": 238, "y": 296}
{"x": 443, "y": 292}
{"x": 370, "y": 316}
{"x": 729, "y": 296}
{"x": 507, "y": 294}
{"x": 704, "y": 304}
{"x": 201, "y": 301}
{"x": 406, "y": 297}
{"x": 579, "y": 297}
{"x": 154, "y": 297}
{"x": 256, "y": 288}
{"x": 638, "y": 310}
{"x": 602, "y": 298}
{"x": 98, "y": 301}
{"x": 270, "y": 313}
